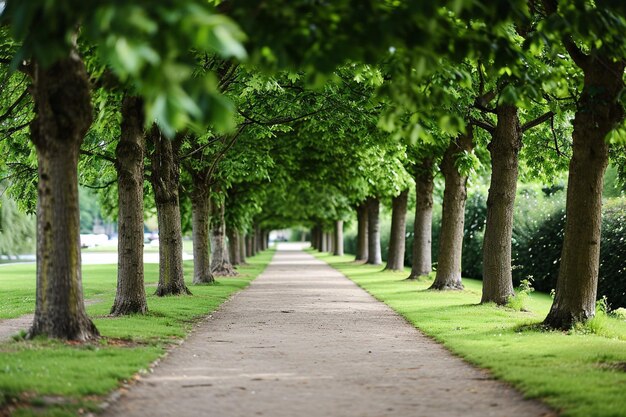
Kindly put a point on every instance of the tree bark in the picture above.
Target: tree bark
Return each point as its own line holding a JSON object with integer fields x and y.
{"x": 200, "y": 216}
{"x": 266, "y": 239}
{"x": 250, "y": 244}
{"x": 329, "y": 241}
{"x": 338, "y": 238}
{"x": 324, "y": 242}
{"x": 130, "y": 297}
{"x": 373, "y": 232}
{"x": 448, "y": 275}
{"x": 316, "y": 234}
{"x": 63, "y": 116}
{"x": 257, "y": 239}
{"x": 504, "y": 148}
{"x": 599, "y": 111}
{"x": 242, "y": 248}
{"x": 233, "y": 246}
{"x": 165, "y": 179}
{"x": 361, "y": 238}
{"x": 397, "y": 239}
{"x": 220, "y": 262}
{"x": 421, "y": 262}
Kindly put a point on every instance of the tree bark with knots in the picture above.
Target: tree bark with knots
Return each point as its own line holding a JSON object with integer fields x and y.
{"x": 62, "y": 99}
{"x": 421, "y": 263}
{"x": 448, "y": 275}
{"x": 165, "y": 179}
{"x": 361, "y": 238}
{"x": 504, "y": 148}
{"x": 397, "y": 238}
{"x": 130, "y": 297}
{"x": 599, "y": 111}
{"x": 373, "y": 231}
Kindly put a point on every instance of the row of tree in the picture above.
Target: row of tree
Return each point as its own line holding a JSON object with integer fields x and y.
{"x": 320, "y": 110}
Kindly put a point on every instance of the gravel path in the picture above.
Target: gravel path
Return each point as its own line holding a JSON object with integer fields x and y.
{"x": 303, "y": 340}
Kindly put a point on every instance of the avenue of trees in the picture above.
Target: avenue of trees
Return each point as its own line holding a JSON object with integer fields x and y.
{"x": 234, "y": 118}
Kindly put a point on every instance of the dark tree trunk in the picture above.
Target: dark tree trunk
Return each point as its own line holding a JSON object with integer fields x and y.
{"x": 266, "y": 239}
{"x": 453, "y": 218}
{"x": 220, "y": 262}
{"x": 338, "y": 238}
{"x": 504, "y": 148}
{"x": 250, "y": 244}
{"x": 130, "y": 297}
{"x": 63, "y": 116}
{"x": 397, "y": 239}
{"x": 373, "y": 232}
{"x": 421, "y": 262}
{"x": 361, "y": 238}
{"x": 242, "y": 248}
{"x": 257, "y": 239}
{"x": 599, "y": 111}
{"x": 200, "y": 216}
{"x": 165, "y": 182}
{"x": 317, "y": 237}
{"x": 233, "y": 246}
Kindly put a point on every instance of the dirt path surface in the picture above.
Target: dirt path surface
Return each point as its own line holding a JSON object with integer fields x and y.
{"x": 304, "y": 341}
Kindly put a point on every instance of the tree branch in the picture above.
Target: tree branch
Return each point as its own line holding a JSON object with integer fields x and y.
{"x": 100, "y": 187}
{"x": 539, "y": 120}
{"x": 483, "y": 125}
{"x": 99, "y": 155}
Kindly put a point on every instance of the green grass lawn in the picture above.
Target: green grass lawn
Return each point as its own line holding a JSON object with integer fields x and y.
{"x": 33, "y": 372}
{"x": 580, "y": 373}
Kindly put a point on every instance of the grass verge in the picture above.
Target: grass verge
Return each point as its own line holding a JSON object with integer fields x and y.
{"x": 52, "y": 378}
{"x": 580, "y": 373}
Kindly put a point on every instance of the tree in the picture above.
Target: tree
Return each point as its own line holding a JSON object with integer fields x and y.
{"x": 165, "y": 178}
{"x": 421, "y": 260}
{"x": 448, "y": 275}
{"x": 395, "y": 258}
{"x": 131, "y": 295}
{"x": 599, "y": 111}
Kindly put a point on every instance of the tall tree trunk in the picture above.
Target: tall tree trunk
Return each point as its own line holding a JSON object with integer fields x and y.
{"x": 257, "y": 239}
{"x": 397, "y": 239}
{"x": 233, "y": 246}
{"x": 165, "y": 181}
{"x": 200, "y": 217}
{"x": 317, "y": 237}
{"x": 63, "y": 116}
{"x": 220, "y": 262}
{"x": 250, "y": 244}
{"x": 130, "y": 297}
{"x": 324, "y": 242}
{"x": 373, "y": 232}
{"x": 266, "y": 239}
{"x": 242, "y": 248}
{"x": 504, "y": 148}
{"x": 338, "y": 238}
{"x": 599, "y": 111}
{"x": 330, "y": 244}
{"x": 421, "y": 262}
{"x": 361, "y": 238}
{"x": 453, "y": 218}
